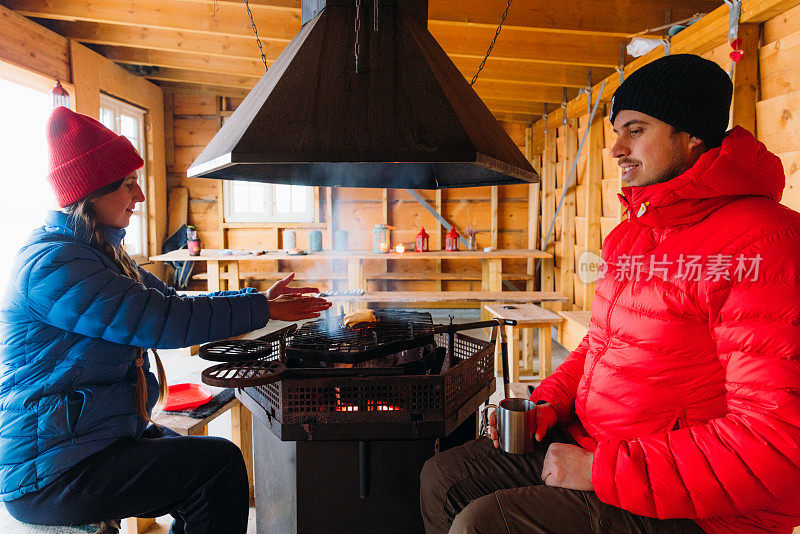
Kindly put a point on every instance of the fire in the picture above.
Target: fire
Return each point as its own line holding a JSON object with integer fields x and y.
{"x": 372, "y": 405}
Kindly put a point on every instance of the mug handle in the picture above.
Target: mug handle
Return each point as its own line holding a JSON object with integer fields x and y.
{"x": 485, "y": 419}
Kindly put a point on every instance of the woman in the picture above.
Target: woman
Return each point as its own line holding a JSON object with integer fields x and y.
{"x": 75, "y": 386}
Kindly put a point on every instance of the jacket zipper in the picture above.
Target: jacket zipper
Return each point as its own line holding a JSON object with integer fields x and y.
{"x": 608, "y": 336}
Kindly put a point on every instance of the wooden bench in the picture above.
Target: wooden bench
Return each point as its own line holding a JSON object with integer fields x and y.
{"x": 573, "y": 329}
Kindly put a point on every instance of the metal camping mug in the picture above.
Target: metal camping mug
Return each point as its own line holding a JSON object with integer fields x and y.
{"x": 516, "y": 424}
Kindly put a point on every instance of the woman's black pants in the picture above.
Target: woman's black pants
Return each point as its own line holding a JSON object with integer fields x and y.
{"x": 201, "y": 481}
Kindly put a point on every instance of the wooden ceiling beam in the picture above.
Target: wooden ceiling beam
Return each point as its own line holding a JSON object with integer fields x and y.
{"x": 534, "y": 46}
{"x": 197, "y": 62}
{"x": 202, "y": 78}
{"x": 521, "y": 92}
{"x": 222, "y": 19}
{"x": 168, "y": 40}
{"x": 527, "y": 71}
{"x": 279, "y": 26}
{"x": 609, "y": 17}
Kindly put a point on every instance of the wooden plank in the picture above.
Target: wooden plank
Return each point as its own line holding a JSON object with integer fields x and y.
{"x": 548, "y": 181}
{"x": 778, "y": 66}
{"x": 242, "y": 436}
{"x": 222, "y": 18}
{"x": 194, "y": 104}
{"x": 579, "y": 17}
{"x": 178, "y": 209}
{"x": 451, "y": 296}
{"x": 203, "y": 78}
{"x": 782, "y": 25}
{"x": 533, "y": 216}
{"x": 594, "y": 209}
{"x": 791, "y": 167}
{"x": 32, "y": 47}
{"x": 778, "y": 123}
{"x": 494, "y": 222}
{"x": 182, "y": 60}
{"x": 154, "y": 38}
{"x": 196, "y": 131}
{"x": 568, "y": 212}
{"x": 745, "y": 80}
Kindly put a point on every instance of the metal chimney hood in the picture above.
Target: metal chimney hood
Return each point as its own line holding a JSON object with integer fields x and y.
{"x": 406, "y": 119}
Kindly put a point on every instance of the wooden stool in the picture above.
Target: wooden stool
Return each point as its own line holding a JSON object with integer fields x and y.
{"x": 527, "y": 316}
{"x": 241, "y": 435}
{"x": 574, "y": 328}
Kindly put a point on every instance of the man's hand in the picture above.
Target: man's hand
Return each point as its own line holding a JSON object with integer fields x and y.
{"x": 568, "y": 466}
{"x": 296, "y": 307}
{"x": 279, "y": 288}
{"x": 546, "y": 418}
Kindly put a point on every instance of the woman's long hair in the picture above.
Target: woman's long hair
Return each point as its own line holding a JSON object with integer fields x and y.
{"x": 82, "y": 211}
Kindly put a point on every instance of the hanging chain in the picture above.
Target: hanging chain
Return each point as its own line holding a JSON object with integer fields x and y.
{"x": 358, "y": 29}
{"x": 375, "y": 16}
{"x": 491, "y": 45}
{"x": 255, "y": 31}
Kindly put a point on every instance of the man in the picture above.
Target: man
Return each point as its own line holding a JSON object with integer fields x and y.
{"x": 680, "y": 409}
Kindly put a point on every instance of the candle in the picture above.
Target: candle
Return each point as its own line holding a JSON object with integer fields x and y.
{"x": 400, "y": 248}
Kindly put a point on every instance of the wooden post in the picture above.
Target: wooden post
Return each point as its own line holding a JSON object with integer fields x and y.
{"x": 437, "y": 238}
{"x": 568, "y": 212}
{"x": 242, "y": 435}
{"x": 533, "y": 229}
{"x": 548, "y": 206}
{"x": 495, "y": 204}
{"x": 746, "y": 86}
{"x": 594, "y": 206}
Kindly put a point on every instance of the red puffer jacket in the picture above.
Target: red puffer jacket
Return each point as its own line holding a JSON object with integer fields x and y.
{"x": 687, "y": 386}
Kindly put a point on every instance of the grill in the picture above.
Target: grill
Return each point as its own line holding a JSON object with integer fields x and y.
{"x": 327, "y": 339}
{"x": 345, "y": 418}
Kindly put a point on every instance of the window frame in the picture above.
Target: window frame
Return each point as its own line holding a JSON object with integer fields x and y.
{"x": 120, "y": 107}
{"x": 269, "y": 213}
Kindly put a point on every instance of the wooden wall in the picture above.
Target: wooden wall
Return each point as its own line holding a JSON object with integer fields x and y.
{"x": 778, "y": 108}
{"x": 766, "y": 101}
{"x": 500, "y": 214}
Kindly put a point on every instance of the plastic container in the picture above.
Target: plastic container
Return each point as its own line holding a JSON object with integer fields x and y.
{"x": 315, "y": 238}
{"x": 186, "y": 396}
{"x": 340, "y": 240}
{"x": 289, "y": 239}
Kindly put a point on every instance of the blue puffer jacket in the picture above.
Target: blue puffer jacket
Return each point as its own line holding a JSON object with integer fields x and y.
{"x": 70, "y": 323}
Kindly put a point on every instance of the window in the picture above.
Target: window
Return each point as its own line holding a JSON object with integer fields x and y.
{"x": 24, "y": 161}
{"x": 258, "y": 202}
{"x": 125, "y": 119}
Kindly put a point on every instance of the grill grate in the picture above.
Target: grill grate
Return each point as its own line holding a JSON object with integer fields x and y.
{"x": 326, "y": 339}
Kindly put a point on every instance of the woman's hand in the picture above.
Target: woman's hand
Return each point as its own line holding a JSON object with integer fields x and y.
{"x": 546, "y": 417}
{"x": 296, "y": 307}
{"x": 279, "y": 288}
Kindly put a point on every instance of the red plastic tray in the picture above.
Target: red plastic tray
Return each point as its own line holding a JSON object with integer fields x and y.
{"x": 186, "y": 396}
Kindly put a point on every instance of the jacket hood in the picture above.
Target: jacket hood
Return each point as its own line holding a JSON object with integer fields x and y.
{"x": 741, "y": 167}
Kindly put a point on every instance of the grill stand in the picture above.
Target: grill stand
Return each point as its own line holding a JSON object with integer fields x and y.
{"x": 346, "y": 485}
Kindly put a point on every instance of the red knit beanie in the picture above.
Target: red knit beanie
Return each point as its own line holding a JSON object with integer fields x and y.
{"x": 85, "y": 155}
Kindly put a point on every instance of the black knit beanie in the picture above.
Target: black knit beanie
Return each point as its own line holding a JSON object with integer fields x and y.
{"x": 685, "y": 91}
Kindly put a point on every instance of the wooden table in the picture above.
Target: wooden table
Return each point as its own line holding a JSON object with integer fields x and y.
{"x": 527, "y": 316}
{"x": 217, "y": 263}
